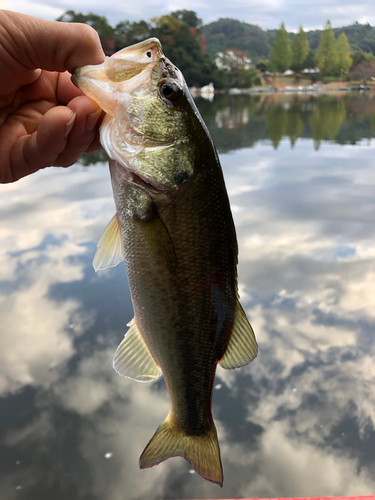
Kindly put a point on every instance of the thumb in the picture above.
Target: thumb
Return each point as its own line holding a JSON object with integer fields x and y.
{"x": 50, "y": 45}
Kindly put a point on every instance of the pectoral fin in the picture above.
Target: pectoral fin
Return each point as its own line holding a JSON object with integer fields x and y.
{"x": 159, "y": 241}
{"x": 242, "y": 347}
{"x": 109, "y": 252}
{"x": 133, "y": 359}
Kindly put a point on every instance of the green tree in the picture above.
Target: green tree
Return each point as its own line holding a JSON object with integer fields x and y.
{"x": 358, "y": 57}
{"x": 262, "y": 66}
{"x": 344, "y": 59}
{"x": 182, "y": 47}
{"x": 326, "y": 55}
{"x": 245, "y": 78}
{"x": 300, "y": 50}
{"x": 281, "y": 54}
{"x": 310, "y": 60}
{"x": 189, "y": 17}
{"x": 127, "y": 33}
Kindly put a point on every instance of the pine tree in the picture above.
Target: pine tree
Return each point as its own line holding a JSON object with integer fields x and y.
{"x": 344, "y": 59}
{"x": 281, "y": 54}
{"x": 326, "y": 55}
{"x": 300, "y": 50}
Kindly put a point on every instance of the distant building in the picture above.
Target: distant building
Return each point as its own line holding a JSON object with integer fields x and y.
{"x": 311, "y": 70}
{"x": 232, "y": 60}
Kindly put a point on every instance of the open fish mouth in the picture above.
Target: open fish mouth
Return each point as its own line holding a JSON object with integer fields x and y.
{"x": 129, "y": 69}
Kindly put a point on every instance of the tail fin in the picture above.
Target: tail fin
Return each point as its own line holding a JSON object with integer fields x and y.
{"x": 202, "y": 452}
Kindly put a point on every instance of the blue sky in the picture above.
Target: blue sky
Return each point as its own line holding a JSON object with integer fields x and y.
{"x": 266, "y": 13}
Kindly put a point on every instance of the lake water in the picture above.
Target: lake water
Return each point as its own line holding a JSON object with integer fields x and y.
{"x": 299, "y": 420}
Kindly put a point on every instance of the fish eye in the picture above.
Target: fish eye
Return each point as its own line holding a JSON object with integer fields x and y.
{"x": 170, "y": 91}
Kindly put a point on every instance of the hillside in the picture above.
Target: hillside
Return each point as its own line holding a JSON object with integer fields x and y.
{"x": 229, "y": 33}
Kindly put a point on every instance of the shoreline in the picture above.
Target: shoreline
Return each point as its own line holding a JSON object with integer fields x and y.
{"x": 311, "y": 89}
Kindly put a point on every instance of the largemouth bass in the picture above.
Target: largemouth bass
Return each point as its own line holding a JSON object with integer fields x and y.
{"x": 174, "y": 229}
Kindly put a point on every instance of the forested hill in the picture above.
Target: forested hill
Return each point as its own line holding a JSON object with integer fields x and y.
{"x": 229, "y": 33}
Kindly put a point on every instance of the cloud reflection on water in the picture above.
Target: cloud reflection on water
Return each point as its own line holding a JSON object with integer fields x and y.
{"x": 299, "y": 421}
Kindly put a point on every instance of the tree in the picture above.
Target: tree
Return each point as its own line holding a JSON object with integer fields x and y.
{"x": 189, "y": 17}
{"x": 326, "y": 55}
{"x": 246, "y": 78}
{"x": 127, "y": 33}
{"x": 310, "y": 62}
{"x": 358, "y": 57}
{"x": 182, "y": 47}
{"x": 262, "y": 66}
{"x": 281, "y": 54}
{"x": 300, "y": 50}
{"x": 344, "y": 60}
{"x": 364, "y": 71}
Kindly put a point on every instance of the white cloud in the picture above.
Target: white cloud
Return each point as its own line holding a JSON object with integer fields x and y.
{"x": 315, "y": 472}
{"x": 268, "y": 14}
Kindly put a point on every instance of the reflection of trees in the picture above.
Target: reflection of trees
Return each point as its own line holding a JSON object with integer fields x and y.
{"x": 294, "y": 126}
{"x": 326, "y": 119}
{"x": 233, "y": 121}
{"x": 285, "y": 118}
{"x": 239, "y": 121}
{"x": 277, "y": 118}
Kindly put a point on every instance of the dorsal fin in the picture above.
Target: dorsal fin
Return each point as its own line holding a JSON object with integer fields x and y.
{"x": 133, "y": 359}
{"x": 242, "y": 347}
{"x": 109, "y": 250}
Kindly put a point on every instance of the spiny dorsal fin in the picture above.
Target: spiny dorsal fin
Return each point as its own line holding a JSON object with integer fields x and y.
{"x": 109, "y": 252}
{"x": 133, "y": 359}
{"x": 242, "y": 347}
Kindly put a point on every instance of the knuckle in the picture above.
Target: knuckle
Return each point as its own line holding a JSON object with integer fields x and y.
{"x": 90, "y": 37}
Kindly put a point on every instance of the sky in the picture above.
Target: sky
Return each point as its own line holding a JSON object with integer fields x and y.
{"x": 268, "y": 14}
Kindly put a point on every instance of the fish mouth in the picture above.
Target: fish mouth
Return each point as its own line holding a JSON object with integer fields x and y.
{"x": 126, "y": 71}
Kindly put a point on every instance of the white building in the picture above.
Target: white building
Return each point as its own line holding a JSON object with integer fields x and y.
{"x": 232, "y": 60}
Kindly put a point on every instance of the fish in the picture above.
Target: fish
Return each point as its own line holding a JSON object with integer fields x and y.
{"x": 174, "y": 229}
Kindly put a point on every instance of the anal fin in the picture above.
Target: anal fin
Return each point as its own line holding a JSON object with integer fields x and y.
{"x": 133, "y": 359}
{"x": 242, "y": 347}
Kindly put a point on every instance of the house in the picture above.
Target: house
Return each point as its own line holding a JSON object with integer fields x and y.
{"x": 232, "y": 60}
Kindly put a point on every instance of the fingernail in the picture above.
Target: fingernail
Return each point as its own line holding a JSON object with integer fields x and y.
{"x": 92, "y": 120}
{"x": 69, "y": 125}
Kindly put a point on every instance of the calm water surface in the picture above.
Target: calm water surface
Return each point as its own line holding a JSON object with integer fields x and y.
{"x": 298, "y": 421}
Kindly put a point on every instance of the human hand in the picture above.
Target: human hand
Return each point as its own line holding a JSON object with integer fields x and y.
{"x": 44, "y": 119}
